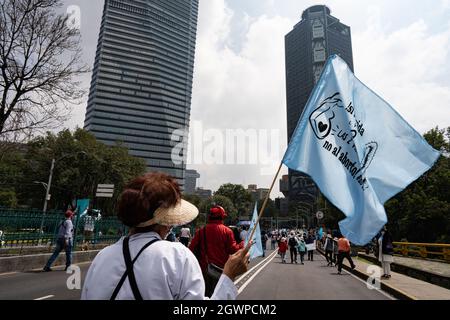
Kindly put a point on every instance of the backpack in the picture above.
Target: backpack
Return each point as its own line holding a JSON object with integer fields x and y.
{"x": 292, "y": 242}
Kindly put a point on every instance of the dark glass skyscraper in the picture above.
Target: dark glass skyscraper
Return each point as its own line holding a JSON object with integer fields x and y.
{"x": 317, "y": 36}
{"x": 142, "y": 78}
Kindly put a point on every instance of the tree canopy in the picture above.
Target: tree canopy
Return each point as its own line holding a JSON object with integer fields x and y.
{"x": 81, "y": 163}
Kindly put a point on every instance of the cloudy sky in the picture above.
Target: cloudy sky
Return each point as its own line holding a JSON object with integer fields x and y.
{"x": 401, "y": 50}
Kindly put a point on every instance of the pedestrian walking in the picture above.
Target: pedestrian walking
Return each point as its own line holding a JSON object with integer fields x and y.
{"x": 329, "y": 249}
{"x": 293, "y": 242}
{"x": 301, "y": 249}
{"x": 385, "y": 252}
{"x": 311, "y": 240}
{"x": 273, "y": 240}
{"x": 335, "y": 251}
{"x": 264, "y": 239}
{"x": 64, "y": 242}
{"x": 142, "y": 265}
{"x": 344, "y": 252}
{"x": 185, "y": 235}
{"x": 212, "y": 245}
{"x": 282, "y": 248}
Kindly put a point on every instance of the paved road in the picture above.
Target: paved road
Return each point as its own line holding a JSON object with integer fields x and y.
{"x": 37, "y": 284}
{"x": 312, "y": 281}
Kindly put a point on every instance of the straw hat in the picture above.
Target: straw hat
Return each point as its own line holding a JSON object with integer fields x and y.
{"x": 182, "y": 213}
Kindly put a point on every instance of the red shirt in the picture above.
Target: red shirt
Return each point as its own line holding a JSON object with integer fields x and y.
{"x": 220, "y": 243}
{"x": 282, "y": 247}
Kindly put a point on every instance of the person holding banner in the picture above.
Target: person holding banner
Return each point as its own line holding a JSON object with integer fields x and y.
{"x": 311, "y": 245}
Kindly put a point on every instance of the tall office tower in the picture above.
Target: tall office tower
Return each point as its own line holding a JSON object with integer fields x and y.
{"x": 317, "y": 36}
{"x": 142, "y": 78}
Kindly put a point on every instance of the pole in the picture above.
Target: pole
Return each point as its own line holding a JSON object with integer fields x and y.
{"x": 264, "y": 204}
{"x": 47, "y": 192}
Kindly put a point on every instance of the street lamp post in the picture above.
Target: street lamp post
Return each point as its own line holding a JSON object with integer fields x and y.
{"x": 47, "y": 192}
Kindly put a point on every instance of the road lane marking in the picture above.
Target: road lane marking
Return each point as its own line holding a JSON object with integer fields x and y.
{"x": 253, "y": 268}
{"x": 361, "y": 280}
{"x": 256, "y": 273}
{"x": 46, "y": 297}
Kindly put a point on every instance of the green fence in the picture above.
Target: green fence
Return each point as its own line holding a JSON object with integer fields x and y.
{"x": 22, "y": 228}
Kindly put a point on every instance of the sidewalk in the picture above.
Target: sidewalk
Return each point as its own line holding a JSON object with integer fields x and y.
{"x": 401, "y": 286}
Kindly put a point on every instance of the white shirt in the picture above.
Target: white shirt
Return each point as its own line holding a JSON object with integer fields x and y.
{"x": 185, "y": 233}
{"x": 164, "y": 271}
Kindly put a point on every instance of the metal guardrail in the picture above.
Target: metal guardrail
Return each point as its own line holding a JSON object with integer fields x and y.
{"x": 423, "y": 250}
{"x": 21, "y": 228}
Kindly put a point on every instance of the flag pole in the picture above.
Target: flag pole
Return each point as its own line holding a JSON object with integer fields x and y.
{"x": 264, "y": 204}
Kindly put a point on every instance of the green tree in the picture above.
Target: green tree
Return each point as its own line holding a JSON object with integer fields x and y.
{"x": 81, "y": 164}
{"x": 421, "y": 213}
{"x": 241, "y": 198}
{"x": 222, "y": 201}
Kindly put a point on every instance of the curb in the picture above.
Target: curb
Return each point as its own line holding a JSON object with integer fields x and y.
{"x": 395, "y": 292}
{"x": 38, "y": 261}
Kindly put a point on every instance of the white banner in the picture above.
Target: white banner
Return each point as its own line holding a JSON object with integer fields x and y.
{"x": 311, "y": 246}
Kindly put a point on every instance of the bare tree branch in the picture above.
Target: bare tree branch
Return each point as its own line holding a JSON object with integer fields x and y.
{"x": 40, "y": 60}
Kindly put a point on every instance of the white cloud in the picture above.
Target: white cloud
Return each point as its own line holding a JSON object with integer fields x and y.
{"x": 406, "y": 68}
{"x": 239, "y": 89}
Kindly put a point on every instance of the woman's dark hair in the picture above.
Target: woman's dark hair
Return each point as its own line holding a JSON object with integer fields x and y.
{"x": 143, "y": 195}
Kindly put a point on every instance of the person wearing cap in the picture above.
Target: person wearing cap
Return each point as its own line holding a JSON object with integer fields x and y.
{"x": 64, "y": 241}
{"x": 213, "y": 244}
{"x": 142, "y": 265}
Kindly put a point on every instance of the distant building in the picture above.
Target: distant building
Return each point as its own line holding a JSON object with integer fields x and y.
{"x": 283, "y": 205}
{"x": 141, "y": 84}
{"x": 258, "y": 194}
{"x": 190, "y": 182}
{"x": 317, "y": 36}
{"x": 203, "y": 193}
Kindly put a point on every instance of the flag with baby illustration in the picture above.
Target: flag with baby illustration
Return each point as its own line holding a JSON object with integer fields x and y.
{"x": 358, "y": 150}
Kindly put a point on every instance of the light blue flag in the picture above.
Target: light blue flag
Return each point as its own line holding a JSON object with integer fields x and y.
{"x": 256, "y": 249}
{"x": 358, "y": 150}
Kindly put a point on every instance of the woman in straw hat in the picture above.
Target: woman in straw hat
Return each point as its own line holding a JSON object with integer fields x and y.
{"x": 143, "y": 265}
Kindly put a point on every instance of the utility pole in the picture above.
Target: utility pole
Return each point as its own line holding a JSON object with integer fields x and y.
{"x": 47, "y": 193}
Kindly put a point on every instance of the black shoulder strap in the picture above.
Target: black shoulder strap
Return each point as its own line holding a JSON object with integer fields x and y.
{"x": 206, "y": 247}
{"x": 129, "y": 272}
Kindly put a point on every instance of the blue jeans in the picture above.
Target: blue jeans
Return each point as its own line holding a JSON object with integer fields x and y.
{"x": 60, "y": 244}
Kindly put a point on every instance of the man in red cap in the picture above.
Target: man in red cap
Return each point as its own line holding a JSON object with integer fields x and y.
{"x": 212, "y": 245}
{"x": 64, "y": 241}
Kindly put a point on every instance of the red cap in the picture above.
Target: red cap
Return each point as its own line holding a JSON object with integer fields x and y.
{"x": 68, "y": 213}
{"x": 217, "y": 212}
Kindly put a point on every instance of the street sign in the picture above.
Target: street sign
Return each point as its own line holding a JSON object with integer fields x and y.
{"x": 104, "y": 195}
{"x": 319, "y": 215}
{"x": 105, "y": 191}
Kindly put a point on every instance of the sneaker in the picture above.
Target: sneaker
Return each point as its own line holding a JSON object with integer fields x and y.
{"x": 302, "y": 263}
{"x": 47, "y": 269}
{"x": 339, "y": 272}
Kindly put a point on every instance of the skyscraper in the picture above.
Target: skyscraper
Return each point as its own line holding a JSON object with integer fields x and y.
{"x": 142, "y": 78}
{"x": 317, "y": 36}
